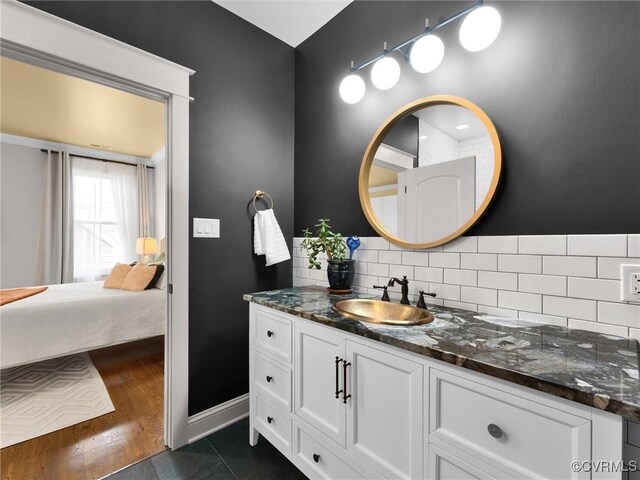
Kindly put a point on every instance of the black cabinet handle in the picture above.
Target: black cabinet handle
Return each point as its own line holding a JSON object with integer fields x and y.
{"x": 338, "y": 392}
{"x": 269, "y": 419}
{"x": 495, "y": 431}
{"x": 269, "y": 333}
{"x": 269, "y": 378}
{"x": 345, "y": 364}
{"x": 316, "y": 457}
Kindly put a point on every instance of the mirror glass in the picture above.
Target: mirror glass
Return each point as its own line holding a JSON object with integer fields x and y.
{"x": 430, "y": 174}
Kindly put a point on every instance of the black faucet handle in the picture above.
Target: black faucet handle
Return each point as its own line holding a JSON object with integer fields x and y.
{"x": 385, "y": 295}
{"x": 421, "y": 303}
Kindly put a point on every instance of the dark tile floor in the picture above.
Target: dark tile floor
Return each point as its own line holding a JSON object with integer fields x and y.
{"x": 224, "y": 455}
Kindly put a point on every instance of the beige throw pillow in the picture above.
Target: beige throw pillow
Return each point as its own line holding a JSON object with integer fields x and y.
{"x": 117, "y": 276}
{"x": 139, "y": 277}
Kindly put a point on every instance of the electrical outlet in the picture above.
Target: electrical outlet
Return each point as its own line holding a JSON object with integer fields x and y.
{"x": 630, "y": 283}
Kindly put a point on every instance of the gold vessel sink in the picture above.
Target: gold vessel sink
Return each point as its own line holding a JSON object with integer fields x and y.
{"x": 387, "y": 313}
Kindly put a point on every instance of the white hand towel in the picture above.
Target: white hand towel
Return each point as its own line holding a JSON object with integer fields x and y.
{"x": 268, "y": 239}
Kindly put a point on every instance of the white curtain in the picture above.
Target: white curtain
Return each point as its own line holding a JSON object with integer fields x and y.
{"x": 144, "y": 216}
{"x": 106, "y": 216}
{"x": 55, "y": 244}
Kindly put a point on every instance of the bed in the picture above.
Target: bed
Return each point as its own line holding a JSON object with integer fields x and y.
{"x": 77, "y": 317}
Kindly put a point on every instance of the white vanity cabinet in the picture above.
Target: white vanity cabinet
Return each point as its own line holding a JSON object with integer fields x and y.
{"x": 341, "y": 406}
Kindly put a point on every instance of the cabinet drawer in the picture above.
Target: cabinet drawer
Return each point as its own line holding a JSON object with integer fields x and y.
{"x": 514, "y": 434}
{"x": 318, "y": 461}
{"x": 273, "y": 423}
{"x": 455, "y": 465}
{"x": 272, "y": 334}
{"x": 273, "y": 381}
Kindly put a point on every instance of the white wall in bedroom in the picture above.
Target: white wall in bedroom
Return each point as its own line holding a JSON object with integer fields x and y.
{"x": 21, "y": 186}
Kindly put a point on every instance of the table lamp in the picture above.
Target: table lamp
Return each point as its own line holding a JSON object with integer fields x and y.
{"x": 146, "y": 246}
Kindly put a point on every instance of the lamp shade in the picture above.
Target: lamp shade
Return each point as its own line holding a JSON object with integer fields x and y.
{"x": 146, "y": 246}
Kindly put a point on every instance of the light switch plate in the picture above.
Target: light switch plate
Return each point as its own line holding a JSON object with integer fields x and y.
{"x": 206, "y": 228}
{"x": 630, "y": 283}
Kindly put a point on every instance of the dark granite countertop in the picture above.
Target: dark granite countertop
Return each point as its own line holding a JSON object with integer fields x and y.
{"x": 589, "y": 368}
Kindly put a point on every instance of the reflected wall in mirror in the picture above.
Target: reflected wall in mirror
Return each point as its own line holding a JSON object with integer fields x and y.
{"x": 430, "y": 171}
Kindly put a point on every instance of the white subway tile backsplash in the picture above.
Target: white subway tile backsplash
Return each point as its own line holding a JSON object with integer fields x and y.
{"x": 390, "y": 256}
{"x": 445, "y": 292}
{"x": 542, "y": 245}
{"x": 402, "y": 270}
{"x": 498, "y": 280}
{"x": 594, "y": 289}
{"x": 462, "y": 244}
{"x": 498, "y": 244}
{"x": 461, "y": 305}
{"x": 548, "y": 284}
{"x": 429, "y": 274}
{"x": 374, "y": 243}
{"x": 461, "y": 277}
{"x": 609, "y": 267}
{"x": 479, "y": 261}
{"x": 520, "y": 263}
{"x": 569, "y": 307}
{"x": 480, "y": 296}
{"x": 633, "y": 245}
{"x": 438, "y": 259}
{"x": 549, "y": 319}
{"x": 569, "y": 266}
{"x": 529, "y": 302}
{"x": 627, "y": 315}
{"x": 378, "y": 269}
{"x": 415, "y": 258}
{"x": 501, "y": 312}
{"x": 370, "y": 256}
{"x": 599, "y": 327}
{"x": 597, "y": 245}
{"x": 529, "y": 277}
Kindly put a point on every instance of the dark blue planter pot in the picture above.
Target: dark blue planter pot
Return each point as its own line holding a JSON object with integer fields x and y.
{"x": 340, "y": 275}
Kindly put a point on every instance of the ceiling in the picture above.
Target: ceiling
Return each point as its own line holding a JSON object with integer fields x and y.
{"x": 46, "y": 105}
{"x": 291, "y": 21}
{"x": 447, "y": 117}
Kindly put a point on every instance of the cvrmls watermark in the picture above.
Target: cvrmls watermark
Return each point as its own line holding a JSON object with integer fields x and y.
{"x": 605, "y": 466}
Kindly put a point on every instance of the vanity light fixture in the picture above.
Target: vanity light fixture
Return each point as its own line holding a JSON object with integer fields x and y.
{"x": 385, "y": 72}
{"x": 462, "y": 126}
{"x": 424, "y": 51}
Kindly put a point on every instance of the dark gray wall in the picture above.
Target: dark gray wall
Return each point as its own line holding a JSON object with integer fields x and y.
{"x": 561, "y": 83}
{"x": 404, "y": 136}
{"x": 241, "y": 139}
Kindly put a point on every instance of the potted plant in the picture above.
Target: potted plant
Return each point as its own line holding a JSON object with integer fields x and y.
{"x": 340, "y": 270}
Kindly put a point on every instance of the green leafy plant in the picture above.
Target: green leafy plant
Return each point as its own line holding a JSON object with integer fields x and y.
{"x": 325, "y": 240}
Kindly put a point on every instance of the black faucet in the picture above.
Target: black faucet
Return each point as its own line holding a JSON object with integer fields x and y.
{"x": 405, "y": 288}
{"x": 421, "y": 303}
{"x": 385, "y": 295}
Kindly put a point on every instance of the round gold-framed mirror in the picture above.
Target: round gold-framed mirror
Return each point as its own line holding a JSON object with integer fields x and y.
{"x": 430, "y": 171}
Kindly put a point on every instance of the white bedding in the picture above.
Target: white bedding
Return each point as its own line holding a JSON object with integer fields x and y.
{"x": 76, "y": 317}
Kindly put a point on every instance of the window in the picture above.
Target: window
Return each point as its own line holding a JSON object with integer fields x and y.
{"x": 104, "y": 217}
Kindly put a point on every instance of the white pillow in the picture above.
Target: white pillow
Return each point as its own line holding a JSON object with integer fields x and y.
{"x": 161, "y": 284}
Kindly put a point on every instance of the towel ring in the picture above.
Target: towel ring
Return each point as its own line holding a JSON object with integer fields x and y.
{"x": 261, "y": 194}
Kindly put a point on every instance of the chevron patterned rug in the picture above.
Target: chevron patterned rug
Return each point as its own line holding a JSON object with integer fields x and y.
{"x": 43, "y": 397}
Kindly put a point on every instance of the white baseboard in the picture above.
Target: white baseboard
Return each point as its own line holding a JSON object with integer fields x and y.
{"x": 218, "y": 417}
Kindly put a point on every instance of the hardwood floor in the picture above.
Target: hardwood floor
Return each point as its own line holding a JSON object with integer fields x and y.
{"x": 134, "y": 376}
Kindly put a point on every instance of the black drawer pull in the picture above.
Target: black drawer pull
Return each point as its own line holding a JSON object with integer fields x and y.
{"x": 345, "y": 364}
{"x": 495, "y": 431}
{"x": 269, "y": 378}
{"x": 316, "y": 457}
{"x": 269, "y": 333}
{"x": 338, "y": 392}
{"x": 269, "y": 419}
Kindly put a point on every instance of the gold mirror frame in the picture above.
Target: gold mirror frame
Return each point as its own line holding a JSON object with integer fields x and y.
{"x": 381, "y": 133}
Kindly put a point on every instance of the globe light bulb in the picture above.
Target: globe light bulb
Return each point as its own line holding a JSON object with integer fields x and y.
{"x": 426, "y": 54}
{"x": 480, "y": 28}
{"x": 385, "y": 73}
{"x": 352, "y": 88}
